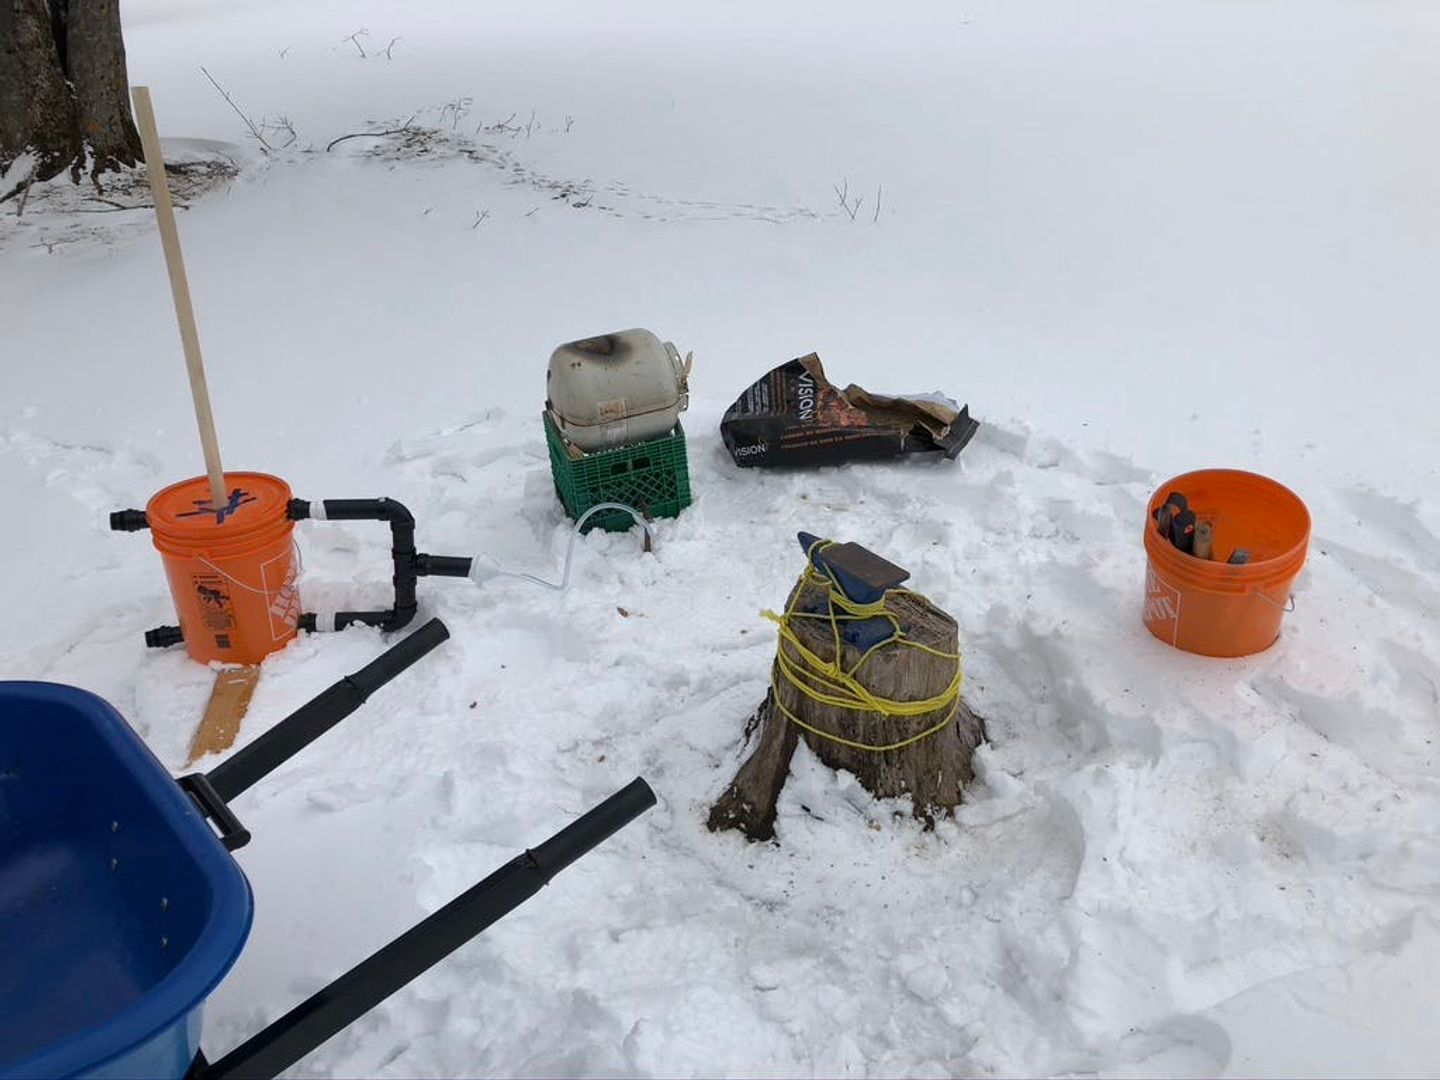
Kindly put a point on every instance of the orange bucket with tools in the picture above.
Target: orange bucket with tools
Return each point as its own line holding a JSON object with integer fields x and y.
{"x": 1213, "y": 607}
{"x": 232, "y": 569}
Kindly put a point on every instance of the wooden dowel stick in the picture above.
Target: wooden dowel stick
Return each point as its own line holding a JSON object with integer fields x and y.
{"x": 180, "y": 290}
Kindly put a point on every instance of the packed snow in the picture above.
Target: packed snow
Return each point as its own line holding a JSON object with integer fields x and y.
{"x": 1136, "y": 238}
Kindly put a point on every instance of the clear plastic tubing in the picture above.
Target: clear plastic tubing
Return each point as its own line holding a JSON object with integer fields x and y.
{"x": 483, "y": 567}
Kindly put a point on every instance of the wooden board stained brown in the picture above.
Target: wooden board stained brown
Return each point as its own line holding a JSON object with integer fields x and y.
{"x": 229, "y": 699}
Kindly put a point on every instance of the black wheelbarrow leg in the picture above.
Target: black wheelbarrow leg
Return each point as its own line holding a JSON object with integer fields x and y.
{"x": 352, "y": 995}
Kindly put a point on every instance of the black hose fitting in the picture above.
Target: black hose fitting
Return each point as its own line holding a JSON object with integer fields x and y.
{"x": 128, "y": 521}
{"x": 162, "y": 637}
{"x": 442, "y": 565}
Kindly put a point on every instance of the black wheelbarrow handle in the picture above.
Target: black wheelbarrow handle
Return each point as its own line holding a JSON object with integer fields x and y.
{"x": 352, "y": 995}
{"x": 211, "y": 792}
{"x": 318, "y": 715}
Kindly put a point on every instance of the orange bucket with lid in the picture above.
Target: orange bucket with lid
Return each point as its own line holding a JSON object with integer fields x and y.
{"x": 232, "y": 569}
{"x": 1209, "y": 606}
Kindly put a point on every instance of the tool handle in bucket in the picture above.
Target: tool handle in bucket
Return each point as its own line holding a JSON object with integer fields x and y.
{"x": 179, "y": 290}
{"x": 352, "y": 995}
{"x": 317, "y": 716}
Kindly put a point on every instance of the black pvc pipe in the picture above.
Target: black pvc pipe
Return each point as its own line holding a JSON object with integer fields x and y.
{"x": 315, "y": 1020}
{"x": 389, "y": 620}
{"x": 409, "y": 564}
{"x": 402, "y": 554}
{"x": 317, "y": 716}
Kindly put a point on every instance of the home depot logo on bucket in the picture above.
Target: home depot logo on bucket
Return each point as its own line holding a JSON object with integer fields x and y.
{"x": 284, "y": 609}
{"x": 1162, "y": 603}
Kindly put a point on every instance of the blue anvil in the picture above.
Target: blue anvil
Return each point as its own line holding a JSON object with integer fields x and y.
{"x": 864, "y": 578}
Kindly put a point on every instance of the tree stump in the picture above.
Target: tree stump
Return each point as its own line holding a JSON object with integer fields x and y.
{"x": 931, "y": 771}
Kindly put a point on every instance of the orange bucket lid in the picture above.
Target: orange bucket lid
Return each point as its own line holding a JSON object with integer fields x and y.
{"x": 184, "y": 513}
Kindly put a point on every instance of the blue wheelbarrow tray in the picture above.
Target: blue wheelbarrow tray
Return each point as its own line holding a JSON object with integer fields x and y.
{"x": 120, "y": 909}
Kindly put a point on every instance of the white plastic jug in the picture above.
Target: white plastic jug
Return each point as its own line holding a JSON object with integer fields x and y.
{"x": 616, "y": 389}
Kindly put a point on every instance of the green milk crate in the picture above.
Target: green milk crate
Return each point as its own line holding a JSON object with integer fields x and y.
{"x": 652, "y": 476}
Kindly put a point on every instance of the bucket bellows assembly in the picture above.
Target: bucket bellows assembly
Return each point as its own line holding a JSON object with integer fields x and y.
{"x": 232, "y": 572}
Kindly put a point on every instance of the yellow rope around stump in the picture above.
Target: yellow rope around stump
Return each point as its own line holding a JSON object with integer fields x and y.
{"x": 828, "y": 683}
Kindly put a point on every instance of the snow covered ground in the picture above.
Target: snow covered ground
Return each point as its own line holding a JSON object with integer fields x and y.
{"x": 1137, "y": 238}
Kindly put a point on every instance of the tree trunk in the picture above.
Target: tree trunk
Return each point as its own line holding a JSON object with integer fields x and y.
{"x": 37, "y": 112}
{"x": 96, "y": 64}
{"x": 63, "y": 88}
{"x": 930, "y": 770}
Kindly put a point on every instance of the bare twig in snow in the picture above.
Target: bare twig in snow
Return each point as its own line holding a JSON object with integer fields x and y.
{"x": 20, "y": 209}
{"x": 458, "y": 109}
{"x": 111, "y": 207}
{"x": 370, "y": 134}
{"x": 354, "y": 39}
{"x": 505, "y": 126}
{"x": 843, "y": 194}
{"x": 393, "y": 40}
{"x": 283, "y": 51}
{"x": 529, "y": 127}
{"x": 283, "y": 125}
{"x": 531, "y": 211}
{"x": 231, "y": 102}
{"x": 878, "y": 192}
{"x": 480, "y": 215}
